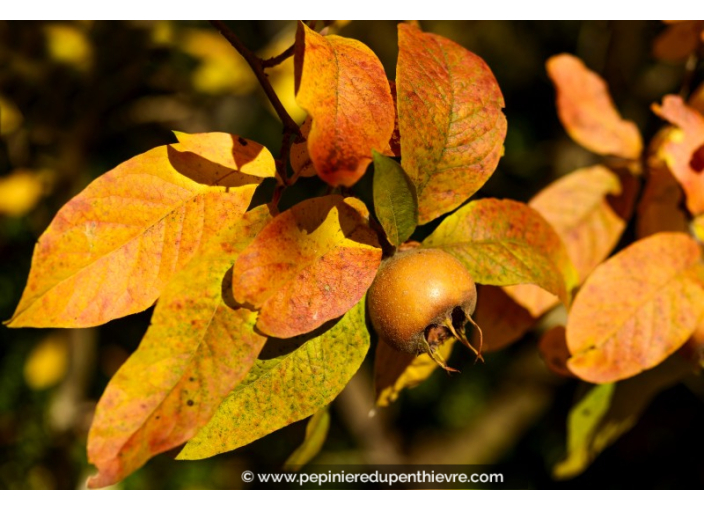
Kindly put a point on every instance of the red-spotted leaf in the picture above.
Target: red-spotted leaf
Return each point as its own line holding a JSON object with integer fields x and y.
{"x": 343, "y": 87}
{"x": 196, "y": 350}
{"x": 311, "y": 264}
{"x": 293, "y": 379}
{"x": 636, "y": 308}
{"x": 502, "y": 242}
{"x": 450, "y": 119}
{"x": 112, "y": 249}
{"x": 680, "y": 148}
{"x": 587, "y": 111}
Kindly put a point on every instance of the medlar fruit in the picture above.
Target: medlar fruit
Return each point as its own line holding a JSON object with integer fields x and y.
{"x": 419, "y": 299}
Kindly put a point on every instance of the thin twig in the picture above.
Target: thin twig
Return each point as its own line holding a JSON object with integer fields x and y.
{"x": 291, "y": 129}
{"x": 278, "y": 59}
{"x": 256, "y": 64}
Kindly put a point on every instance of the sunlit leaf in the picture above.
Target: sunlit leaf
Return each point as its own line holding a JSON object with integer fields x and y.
{"x": 679, "y": 147}
{"x": 196, "y": 350}
{"x": 587, "y": 111}
{"x": 395, "y": 371}
{"x": 502, "y": 242}
{"x": 450, "y": 119}
{"x": 292, "y": 380}
{"x": 608, "y": 411}
{"x": 636, "y": 308}
{"x": 311, "y": 264}
{"x": 395, "y": 201}
{"x": 111, "y": 250}
{"x": 316, "y": 433}
{"x": 343, "y": 87}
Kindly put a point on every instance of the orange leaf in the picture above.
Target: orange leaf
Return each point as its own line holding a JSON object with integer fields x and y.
{"x": 678, "y": 41}
{"x": 113, "y": 248}
{"x": 587, "y": 111}
{"x": 680, "y": 146}
{"x": 502, "y": 320}
{"x": 343, "y": 87}
{"x": 660, "y": 208}
{"x": 576, "y": 207}
{"x": 311, "y": 264}
{"x": 553, "y": 349}
{"x": 450, "y": 119}
{"x": 196, "y": 350}
{"x": 636, "y": 308}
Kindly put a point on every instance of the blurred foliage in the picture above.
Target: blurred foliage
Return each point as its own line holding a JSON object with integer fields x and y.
{"x": 78, "y": 98}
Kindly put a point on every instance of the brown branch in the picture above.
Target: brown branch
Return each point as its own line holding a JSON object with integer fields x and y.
{"x": 291, "y": 129}
{"x": 256, "y": 64}
{"x": 278, "y": 59}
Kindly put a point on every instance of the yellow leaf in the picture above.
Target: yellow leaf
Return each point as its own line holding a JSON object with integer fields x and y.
{"x": 10, "y": 117}
{"x": 316, "y": 433}
{"x": 111, "y": 250}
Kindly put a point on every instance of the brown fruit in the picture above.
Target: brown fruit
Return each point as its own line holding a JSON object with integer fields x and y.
{"x": 419, "y": 299}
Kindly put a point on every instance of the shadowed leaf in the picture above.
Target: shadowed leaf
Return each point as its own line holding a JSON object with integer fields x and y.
{"x": 587, "y": 111}
{"x": 195, "y": 351}
{"x": 316, "y": 433}
{"x": 679, "y": 147}
{"x": 111, "y": 250}
{"x": 311, "y": 264}
{"x": 292, "y": 382}
{"x": 636, "y": 308}
{"x": 300, "y": 159}
{"x": 608, "y": 411}
{"x": 502, "y": 320}
{"x": 343, "y": 87}
{"x": 661, "y": 207}
{"x": 502, "y": 242}
{"x": 553, "y": 349}
{"x": 450, "y": 120}
{"x": 678, "y": 41}
{"x": 395, "y": 201}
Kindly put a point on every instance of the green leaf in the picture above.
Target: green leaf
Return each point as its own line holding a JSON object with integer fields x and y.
{"x": 502, "y": 242}
{"x": 293, "y": 379}
{"x": 395, "y": 200}
{"x": 608, "y": 411}
{"x": 316, "y": 433}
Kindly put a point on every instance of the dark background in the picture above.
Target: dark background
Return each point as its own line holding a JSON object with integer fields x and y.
{"x": 76, "y": 99}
